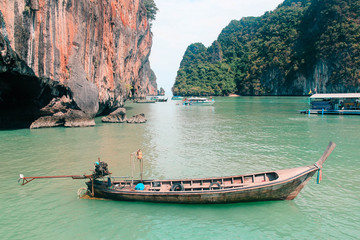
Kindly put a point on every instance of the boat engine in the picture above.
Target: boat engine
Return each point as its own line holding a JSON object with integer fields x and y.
{"x": 101, "y": 170}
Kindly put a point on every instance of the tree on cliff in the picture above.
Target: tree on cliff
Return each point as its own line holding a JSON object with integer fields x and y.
{"x": 299, "y": 45}
{"x": 151, "y": 9}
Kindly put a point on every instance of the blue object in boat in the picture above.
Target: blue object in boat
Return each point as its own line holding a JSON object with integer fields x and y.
{"x": 139, "y": 186}
{"x": 109, "y": 182}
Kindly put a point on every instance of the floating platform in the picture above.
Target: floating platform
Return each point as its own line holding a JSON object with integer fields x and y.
{"x": 332, "y": 112}
{"x": 335, "y": 104}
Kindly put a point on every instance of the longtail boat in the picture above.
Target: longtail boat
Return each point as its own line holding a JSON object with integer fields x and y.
{"x": 264, "y": 186}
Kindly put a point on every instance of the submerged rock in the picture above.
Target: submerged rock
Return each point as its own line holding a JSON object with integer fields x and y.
{"x": 117, "y": 116}
{"x": 140, "y": 118}
{"x": 77, "y": 118}
{"x": 73, "y": 118}
{"x": 47, "y": 121}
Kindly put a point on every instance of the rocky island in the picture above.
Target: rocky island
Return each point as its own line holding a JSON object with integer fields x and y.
{"x": 300, "y": 46}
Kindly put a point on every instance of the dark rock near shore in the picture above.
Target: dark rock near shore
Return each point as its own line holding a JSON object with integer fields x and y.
{"x": 48, "y": 121}
{"x": 117, "y": 116}
{"x": 62, "y": 112}
{"x": 57, "y": 105}
{"x": 140, "y": 118}
{"x": 72, "y": 118}
{"x": 77, "y": 118}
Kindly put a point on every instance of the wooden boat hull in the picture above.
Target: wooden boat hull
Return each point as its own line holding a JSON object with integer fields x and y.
{"x": 284, "y": 188}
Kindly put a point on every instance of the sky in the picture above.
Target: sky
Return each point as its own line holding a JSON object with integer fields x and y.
{"x": 180, "y": 23}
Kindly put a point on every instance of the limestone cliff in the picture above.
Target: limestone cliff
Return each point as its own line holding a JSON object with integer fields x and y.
{"x": 94, "y": 52}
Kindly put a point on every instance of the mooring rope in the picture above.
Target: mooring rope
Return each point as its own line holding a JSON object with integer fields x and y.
{"x": 319, "y": 175}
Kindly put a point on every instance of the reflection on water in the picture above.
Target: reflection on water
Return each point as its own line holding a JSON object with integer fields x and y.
{"x": 235, "y": 135}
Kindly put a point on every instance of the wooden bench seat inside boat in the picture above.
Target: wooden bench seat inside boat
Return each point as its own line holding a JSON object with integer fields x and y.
{"x": 210, "y": 184}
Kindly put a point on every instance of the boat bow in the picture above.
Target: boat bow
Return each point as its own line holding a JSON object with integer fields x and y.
{"x": 325, "y": 155}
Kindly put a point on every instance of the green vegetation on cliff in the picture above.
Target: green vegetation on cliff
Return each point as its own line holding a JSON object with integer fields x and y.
{"x": 203, "y": 73}
{"x": 303, "y": 44}
{"x": 151, "y": 9}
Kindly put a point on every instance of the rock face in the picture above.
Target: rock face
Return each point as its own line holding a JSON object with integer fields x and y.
{"x": 94, "y": 52}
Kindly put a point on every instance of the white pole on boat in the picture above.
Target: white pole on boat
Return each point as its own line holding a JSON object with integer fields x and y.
{"x": 132, "y": 169}
{"x": 142, "y": 167}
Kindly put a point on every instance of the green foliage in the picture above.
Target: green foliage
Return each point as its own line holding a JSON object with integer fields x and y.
{"x": 332, "y": 30}
{"x": 151, "y": 9}
{"x": 204, "y": 79}
{"x": 2, "y": 21}
{"x": 264, "y": 55}
{"x": 202, "y": 73}
{"x": 194, "y": 54}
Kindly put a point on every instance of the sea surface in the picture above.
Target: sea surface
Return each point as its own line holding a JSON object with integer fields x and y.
{"x": 234, "y": 136}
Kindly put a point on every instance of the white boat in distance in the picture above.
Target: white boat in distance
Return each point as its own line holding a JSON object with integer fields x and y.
{"x": 199, "y": 101}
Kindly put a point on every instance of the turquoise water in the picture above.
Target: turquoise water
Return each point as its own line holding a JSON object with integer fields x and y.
{"x": 234, "y": 136}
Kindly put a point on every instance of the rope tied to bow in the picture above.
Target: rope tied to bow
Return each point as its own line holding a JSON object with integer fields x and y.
{"x": 319, "y": 175}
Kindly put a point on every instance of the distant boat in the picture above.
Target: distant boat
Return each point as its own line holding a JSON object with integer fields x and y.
{"x": 335, "y": 103}
{"x": 177, "y": 98}
{"x": 198, "y": 101}
{"x": 145, "y": 101}
{"x": 159, "y": 98}
{"x": 264, "y": 186}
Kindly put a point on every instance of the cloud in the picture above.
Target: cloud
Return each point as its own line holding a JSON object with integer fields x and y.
{"x": 182, "y": 22}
